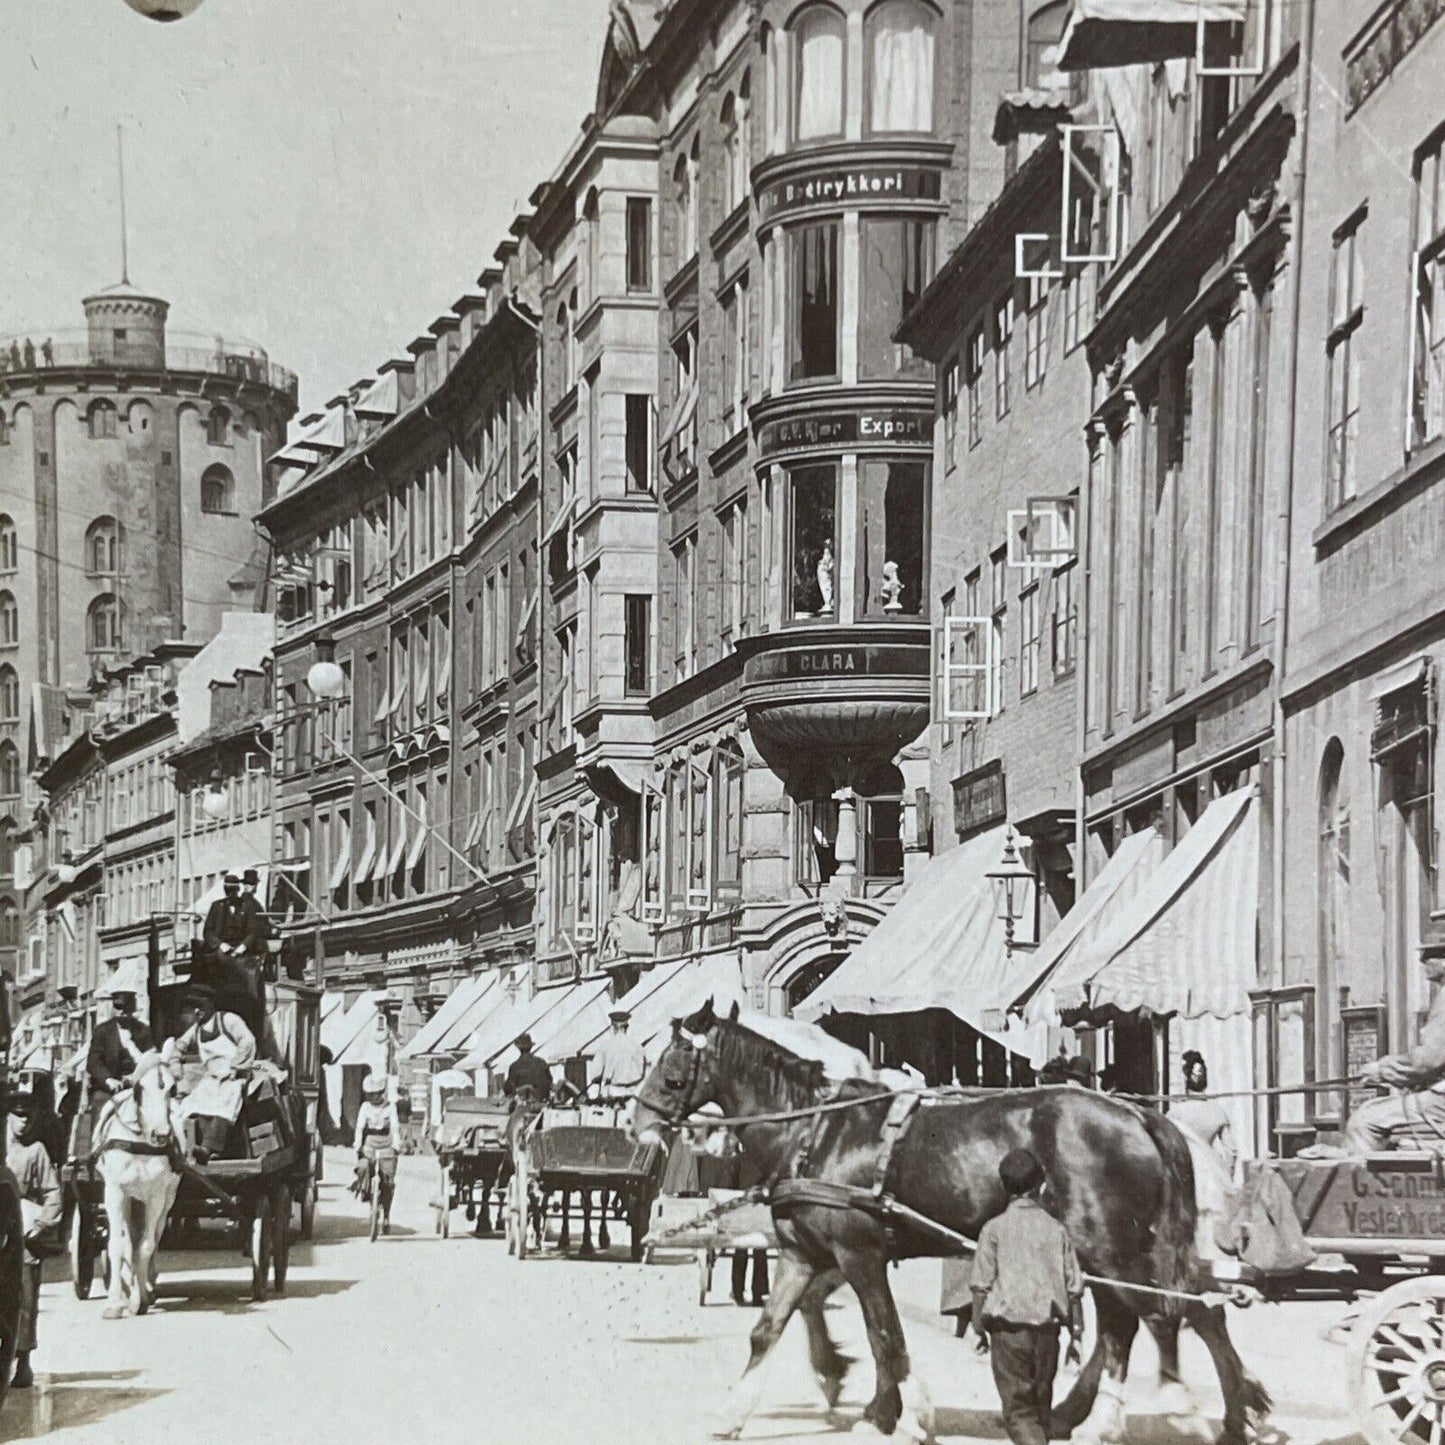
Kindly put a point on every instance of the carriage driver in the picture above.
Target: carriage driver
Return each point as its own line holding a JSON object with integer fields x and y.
{"x": 1418, "y": 1075}
{"x": 117, "y": 1046}
{"x": 623, "y": 1064}
{"x": 227, "y": 1049}
{"x": 528, "y": 1072}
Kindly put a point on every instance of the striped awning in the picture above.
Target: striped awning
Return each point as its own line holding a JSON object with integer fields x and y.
{"x": 1106, "y": 34}
{"x": 456, "y": 1003}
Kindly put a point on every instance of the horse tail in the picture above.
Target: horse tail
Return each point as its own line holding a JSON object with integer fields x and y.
{"x": 1176, "y": 1265}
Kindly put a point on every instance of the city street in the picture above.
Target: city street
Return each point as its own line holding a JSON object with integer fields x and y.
{"x": 416, "y": 1337}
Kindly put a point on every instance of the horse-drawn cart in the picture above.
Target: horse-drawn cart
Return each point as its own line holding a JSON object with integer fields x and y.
{"x": 585, "y": 1151}
{"x": 471, "y": 1146}
{"x": 726, "y": 1223}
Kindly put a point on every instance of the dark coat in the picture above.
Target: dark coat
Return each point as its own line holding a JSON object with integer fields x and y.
{"x": 109, "y": 1058}
{"x": 529, "y": 1072}
{"x": 238, "y": 920}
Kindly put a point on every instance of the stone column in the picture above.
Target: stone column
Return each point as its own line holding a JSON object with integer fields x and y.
{"x": 845, "y": 845}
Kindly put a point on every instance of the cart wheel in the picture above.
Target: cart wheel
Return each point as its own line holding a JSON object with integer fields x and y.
{"x": 261, "y": 1244}
{"x": 444, "y": 1202}
{"x": 307, "y": 1207}
{"x": 637, "y": 1210}
{"x": 1397, "y": 1364}
{"x": 523, "y": 1206}
{"x": 82, "y": 1252}
{"x": 281, "y": 1245}
{"x": 705, "y": 1260}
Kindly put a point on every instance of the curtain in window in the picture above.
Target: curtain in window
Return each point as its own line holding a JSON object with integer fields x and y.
{"x": 820, "y": 74}
{"x": 901, "y": 59}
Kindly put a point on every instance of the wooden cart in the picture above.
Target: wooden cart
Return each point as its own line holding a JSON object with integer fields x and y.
{"x": 713, "y": 1228}
{"x": 474, "y": 1160}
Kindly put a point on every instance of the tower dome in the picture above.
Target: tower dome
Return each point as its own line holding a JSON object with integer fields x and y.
{"x": 127, "y": 327}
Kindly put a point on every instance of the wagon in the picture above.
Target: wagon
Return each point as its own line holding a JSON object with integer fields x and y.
{"x": 724, "y": 1224}
{"x": 586, "y": 1152}
{"x": 474, "y": 1160}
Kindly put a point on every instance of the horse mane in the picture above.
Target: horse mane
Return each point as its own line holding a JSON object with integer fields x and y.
{"x": 799, "y": 1080}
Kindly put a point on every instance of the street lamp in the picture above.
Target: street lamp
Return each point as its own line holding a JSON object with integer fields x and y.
{"x": 163, "y": 10}
{"x": 1010, "y": 879}
{"x": 216, "y": 804}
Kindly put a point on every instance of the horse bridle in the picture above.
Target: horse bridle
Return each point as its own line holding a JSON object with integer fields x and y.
{"x": 694, "y": 1073}
{"x": 146, "y": 1145}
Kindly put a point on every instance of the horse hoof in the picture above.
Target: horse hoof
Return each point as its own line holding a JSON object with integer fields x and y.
{"x": 832, "y": 1388}
{"x": 113, "y": 1312}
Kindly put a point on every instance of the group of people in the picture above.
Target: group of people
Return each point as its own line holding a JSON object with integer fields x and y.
{"x": 622, "y": 1067}
{"x": 20, "y": 358}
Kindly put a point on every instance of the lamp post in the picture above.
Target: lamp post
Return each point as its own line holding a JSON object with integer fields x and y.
{"x": 1010, "y": 878}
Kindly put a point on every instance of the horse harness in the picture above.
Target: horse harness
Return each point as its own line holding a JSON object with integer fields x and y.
{"x": 169, "y": 1150}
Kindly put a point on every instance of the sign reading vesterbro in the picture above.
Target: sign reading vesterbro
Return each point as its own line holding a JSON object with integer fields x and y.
{"x": 855, "y": 426}
{"x": 849, "y": 185}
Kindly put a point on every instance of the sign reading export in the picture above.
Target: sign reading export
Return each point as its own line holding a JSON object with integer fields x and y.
{"x": 848, "y": 186}
{"x": 856, "y": 426}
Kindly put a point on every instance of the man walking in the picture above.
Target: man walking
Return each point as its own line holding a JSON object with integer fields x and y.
{"x": 40, "y": 1212}
{"x": 1026, "y": 1283}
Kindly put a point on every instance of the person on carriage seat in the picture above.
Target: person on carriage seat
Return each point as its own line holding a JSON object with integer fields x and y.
{"x": 226, "y": 1048}
{"x": 116, "y": 1047}
{"x": 378, "y": 1136}
{"x": 623, "y": 1065}
{"x": 528, "y": 1072}
{"x": 40, "y": 1210}
{"x": 1417, "y": 1110}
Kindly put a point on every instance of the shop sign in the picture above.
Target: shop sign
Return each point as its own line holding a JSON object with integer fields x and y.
{"x": 904, "y": 426}
{"x": 849, "y": 186}
{"x": 861, "y": 660}
{"x": 980, "y": 799}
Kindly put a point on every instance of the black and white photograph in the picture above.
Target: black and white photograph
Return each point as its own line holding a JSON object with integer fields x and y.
{"x": 719, "y": 720}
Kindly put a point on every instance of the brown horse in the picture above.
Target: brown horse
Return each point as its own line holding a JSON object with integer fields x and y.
{"x": 1118, "y": 1176}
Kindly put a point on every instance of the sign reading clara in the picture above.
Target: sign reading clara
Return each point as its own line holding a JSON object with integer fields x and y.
{"x": 849, "y": 186}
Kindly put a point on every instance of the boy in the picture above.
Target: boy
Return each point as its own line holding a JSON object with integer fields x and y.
{"x": 1025, "y": 1284}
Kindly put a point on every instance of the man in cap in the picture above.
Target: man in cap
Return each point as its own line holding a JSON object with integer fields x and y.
{"x": 1026, "y": 1283}
{"x": 40, "y": 1213}
{"x": 528, "y": 1072}
{"x": 233, "y": 927}
{"x": 261, "y": 930}
{"x": 227, "y": 1049}
{"x": 117, "y": 1045}
{"x": 623, "y": 1065}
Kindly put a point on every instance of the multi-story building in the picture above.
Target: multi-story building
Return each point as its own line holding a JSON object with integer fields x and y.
{"x": 736, "y": 647}
{"x": 1366, "y": 639}
{"x": 131, "y": 463}
{"x": 405, "y": 537}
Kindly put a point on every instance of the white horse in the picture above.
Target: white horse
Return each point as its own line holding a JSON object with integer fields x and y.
{"x": 136, "y": 1145}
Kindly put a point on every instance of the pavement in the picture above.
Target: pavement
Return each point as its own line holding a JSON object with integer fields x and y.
{"x": 419, "y": 1338}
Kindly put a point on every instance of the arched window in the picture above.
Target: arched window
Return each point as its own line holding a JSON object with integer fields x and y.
{"x": 218, "y": 427}
{"x": 900, "y": 49}
{"x": 1046, "y": 29}
{"x": 1333, "y": 901}
{"x": 728, "y": 793}
{"x": 101, "y": 420}
{"x": 880, "y": 822}
{"x": 9, "y": 925}
{"x": 9, "y": 770}
{"x": 218, "y": 489}
{"x": 7, "y": 849}
{"x": 9, "y": 620}
{"x": 736, "y": 122}
{"x": 819, "y": 44}
{"x": 684, "y": 208}
{"x": 103, "y": 547}
{"x": 103, "y": 624}
{"x": 9, "y": 694}
{"x": 9, "y": 544}
{"x": 592, "y": 224}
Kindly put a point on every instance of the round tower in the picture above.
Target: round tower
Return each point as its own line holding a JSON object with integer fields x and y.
{"x": 127, "y": 328}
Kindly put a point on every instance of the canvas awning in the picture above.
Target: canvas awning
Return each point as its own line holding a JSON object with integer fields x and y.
{"x": 1106, "y": 34}
{"x": 589, "y": 1000}
{"x": 563, "y": 514}
{"x": 493, "y": 997}
{"x": 942, "y": 947}
{"x": 127, "y": 975}
{"x": 422, "y": 831}
{"x": 522, "y": 1015}
{"x": 1185, "y": 943}
{"x": 1094, "y": 913}
{"x": 381, "y": 398}
{"x": 457, "y": 1002}
{"x": 341, "y": 1026}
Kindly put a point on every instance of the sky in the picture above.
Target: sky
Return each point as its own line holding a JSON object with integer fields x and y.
{"x": 320, "y": 177}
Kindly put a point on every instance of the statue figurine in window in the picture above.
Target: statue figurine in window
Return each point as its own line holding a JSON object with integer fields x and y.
{"x": 891, "y": 588}
{"x": 825, "y": 579}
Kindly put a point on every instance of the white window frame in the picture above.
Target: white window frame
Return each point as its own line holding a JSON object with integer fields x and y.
{"x": 654, "y": 806}
{"x": 1109, "y": 165}
{"x": 699, "y": 899}
{"x": 969, "y": 629}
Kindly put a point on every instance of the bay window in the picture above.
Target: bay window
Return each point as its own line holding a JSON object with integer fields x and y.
{"x": 897, "y": 265}
{"x": 813, "y": 546}
{"x": 892, "y": 505}
{"x": 819, "y": 43}
{"x": 813, "y": 333}
{"x": 900, "y": 51}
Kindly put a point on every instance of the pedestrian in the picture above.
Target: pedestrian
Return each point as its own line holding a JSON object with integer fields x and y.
{"x": 1026, "y": 1284}
{"x": 47, "y": 352}
{"x": 1201, "y": 1116}
{"x": 29, "y": 354}
{"x": 40, "y": 1213}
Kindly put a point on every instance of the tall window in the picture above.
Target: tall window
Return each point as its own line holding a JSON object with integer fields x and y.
{"x": 9, "y": 620}
{"x": 103, "y": 547}
{"x": 684, "y": 607}
{"x": 9, "y": 544}
{"x": 813, "y": 543}
{"x": 639, "y": 243}
{"x": 1030, "y": 639}
{"x": 1333, "y": 869}
{"x": 1036, "y": 331}
{"x": 1003, "y": 332}
{"x": 728, "y": 791}
{"x": 101, "y": 420}
{"x": 637, "y": 644}
{"x": 737, "y": 128}
{"x": 1064, "y": 627}
{"x": 813, "y": 335}
{"x": 684, "y": 183}
{"x": 1427, "y": 385}
{"x": 998, "y": 624}
{"x": 1256, "y": 463}
{"x": 218, "y": 490}
{"x": 735, "y": 574}
{"x": 1176, "y": 424}
{"x": 893, "y": 509}
{"x": 9, "y": 770}
{"x": 973, "y": 377}
{"x": 819, "y": 42}
{"x": 218, "y": 427}
{"x": 638, "y": 448}
{"x": 9, "y": 694}
{"x": 951, "y": 376}
{"x": 1347, "y": 312}
{"x": 900, "y": 66}
{"x": 880, "y": 818}
{"x": 897, "y": 264}
{"x": 735, "y": 358}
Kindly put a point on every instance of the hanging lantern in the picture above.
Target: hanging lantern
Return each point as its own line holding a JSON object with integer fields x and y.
{"x": 216, "y": 804}
{"x": 163, "y": 10}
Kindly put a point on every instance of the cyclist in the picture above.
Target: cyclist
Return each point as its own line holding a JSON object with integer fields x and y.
{"x": 378, "y": 1137}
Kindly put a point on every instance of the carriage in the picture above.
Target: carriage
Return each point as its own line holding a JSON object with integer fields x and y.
{"x": 474, "y": 1161}
{"x": 587, "y": 1151}
{"x": 725, "y": 1223}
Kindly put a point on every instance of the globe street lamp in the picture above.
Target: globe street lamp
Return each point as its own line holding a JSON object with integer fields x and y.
{"x": 163, "y": 10}
{"x": 1011, "y": 878}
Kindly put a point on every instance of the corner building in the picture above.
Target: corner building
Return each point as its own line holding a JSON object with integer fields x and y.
{"x": 735, "y": 534}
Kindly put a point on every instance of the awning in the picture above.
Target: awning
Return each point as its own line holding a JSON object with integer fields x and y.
{"x": 588, "y": 1001}
{"x": 419, "y": 840}
{"x": 381, "y": 398}
{"x": 1105, "y": 34}
{"x": 1094, "y": 913}
{"x": 716, "y": 976}
{"x": 1402, "y": 675}
{"x": 495, "y": 996}
{"x": 523, "y": 1015}
{"x": 368, "y": 854}
{"x": 128, "y": 975}
{"x": 398, "y": 847}
{"x": 365, "y": 1049}
{"x": 341, "y": 869}
{"x": 563, "y": 514}
{"x": 942, "y": 947}
{"x": 456, "y": 1004}
{"x": 1186, "y": 942}
{"x": 341, "y": 1026}
{"x": 331, "y": 1000}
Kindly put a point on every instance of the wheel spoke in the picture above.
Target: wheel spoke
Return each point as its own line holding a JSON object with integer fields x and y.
{"x": 1403, "y": 1428}
{"x": 1389, "y": 1364}
{"x": 1401, "y": 1342}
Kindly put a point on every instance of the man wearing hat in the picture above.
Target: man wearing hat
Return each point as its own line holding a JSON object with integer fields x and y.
{"x": 227, "y": 1049}
{"x": 378, "y": 1136}
{"x": 528, "y": 1072}
{"x": 622, "y": 1064}
{"x": 235, "y": 923}
{"x": 40, "y": 1212}
{"x": 1025, "y": 1283}
{"x": 116, "y": 1045}
{"x": 261, "y": 930}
